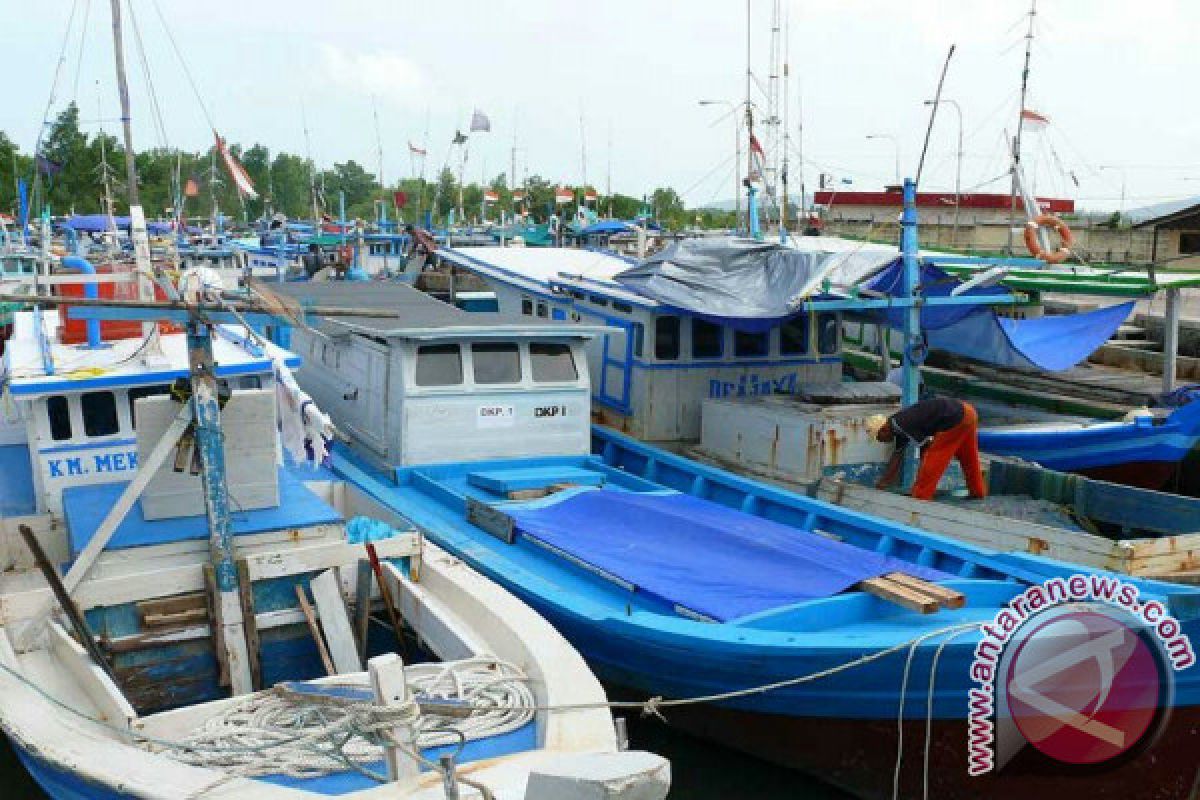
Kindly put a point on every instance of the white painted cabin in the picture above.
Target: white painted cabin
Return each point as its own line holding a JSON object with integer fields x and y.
{"x": 438, "y": 384}
{"x": 656, "y": 366}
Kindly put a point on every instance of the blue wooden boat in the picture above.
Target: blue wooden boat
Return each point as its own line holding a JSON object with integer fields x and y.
{"x": 680, "y": 581}
{"x": 1142, "y": 451}
{"x": 687, "y": 628}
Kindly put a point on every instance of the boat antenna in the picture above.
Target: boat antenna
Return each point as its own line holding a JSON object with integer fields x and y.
{"x": 787, "y": 137}
{"x": 379, "y": 154}
{"x": 937, "y": 99}
{"x": 1016, "y": 143}
{"x": 312, "y": 166}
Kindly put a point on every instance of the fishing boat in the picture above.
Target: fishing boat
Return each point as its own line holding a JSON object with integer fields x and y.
{"x": 205, "y": 639}
{"x": 1143, "y": 450}
{"x": 804, "y": 633}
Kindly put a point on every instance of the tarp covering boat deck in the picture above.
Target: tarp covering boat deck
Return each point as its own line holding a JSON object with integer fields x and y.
{"x": 746, "y": 284}
{"x": 1049, "y": 343}
{"x": 700, "y": 555}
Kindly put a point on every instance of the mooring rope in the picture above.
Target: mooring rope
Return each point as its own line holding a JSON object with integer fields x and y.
{"x": 289, "y": 731}
{"x": 370, "y": 719}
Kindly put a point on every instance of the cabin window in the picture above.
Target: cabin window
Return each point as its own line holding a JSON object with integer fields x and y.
{"x": 750, "y": 345}
{"x": 527, "y": 306}
{"x": 1189, "y": 243}
{"x": 58, "y": 413}
{"x": 496, "y": 362}
{"x": 707, "y": 339}
{"x": 624, "y": 308}
{"x": 666, "y": 338}
{"x": 598, "y": 300}
{"x": 439, "y": 365}
{"x": 578, "y": 295}
{"x": 793, "y": 336}
{"x": 828, "y": 334}
{"x": 137, "y": 393}
{"x": 639, "y": 339}
{"x": 99, "y": 413}
{"x": 255, "y": 381}
{"x": 541, "y": 309}
{"x": 552, "y": 363}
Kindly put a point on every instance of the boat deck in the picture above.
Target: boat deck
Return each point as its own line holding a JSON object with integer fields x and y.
{"x": 84, "y": 508}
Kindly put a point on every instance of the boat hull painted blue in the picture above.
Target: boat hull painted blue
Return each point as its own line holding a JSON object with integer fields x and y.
{"x": 635, "y": 641}
{"x": 61, "y": 783}
{"x": 1107, "y": 444}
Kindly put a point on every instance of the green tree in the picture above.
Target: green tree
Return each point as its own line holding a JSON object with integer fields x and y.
{"x": 71, "y": 178}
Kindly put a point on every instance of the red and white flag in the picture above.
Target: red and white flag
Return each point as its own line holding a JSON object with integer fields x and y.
{"x": 590, "y": 196}
{"x": 518, "y": 195}
{"x": 1033, "y": 122}
{"x": 563, "y": 195}
{"x": 416, "y": 151}
{"x": 236, "y": 170}
{"x": 755, "y": 147}
{"x": 491, "y": 197}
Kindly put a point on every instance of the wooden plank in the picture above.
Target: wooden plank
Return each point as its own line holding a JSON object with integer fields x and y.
{"x": 362, "y": 605}
{"x": 947, "y": 598}
{"x": 491, "y": 520}
{"x": 528, "y": 494}
{"x": 168, "y": 606}
{"x": 900, "y": 595}
{"x": 179, "y": 618}
{"x": 96, "y": 683}
{"x": 311, "y": 619}
{"x": 132, "y": 576}
{"x": 213, "y": 598}
{"x": 335, "y": 622}
{"x": 78, "y": 623}
{"x": 391, "y": 688}
{"x": 250, "y": 620}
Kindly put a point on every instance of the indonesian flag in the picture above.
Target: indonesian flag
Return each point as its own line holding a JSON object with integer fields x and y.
{"x": 191, "y": 188}
{"x": 491, "y": 197}
{"x": 563, "y": 195}
{"x": 1033, "y": 122}
{"x": 416, "y": 151}
{"x": 518, "y": 195}
{"x": 755, "y": 147}
{"x": 236, "y": 170}
{"x": 590, "y": 196}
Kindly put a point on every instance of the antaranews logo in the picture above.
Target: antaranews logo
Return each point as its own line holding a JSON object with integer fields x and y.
{"x": 1076, "y": 667}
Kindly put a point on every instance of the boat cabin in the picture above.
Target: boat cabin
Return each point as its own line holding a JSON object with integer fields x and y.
{"x": 658, "y": 364}
{"x": 436, "y": 384}
{"x": 68, "y": 416}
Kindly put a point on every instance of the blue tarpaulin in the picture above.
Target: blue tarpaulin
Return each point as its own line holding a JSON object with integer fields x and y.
{"x": 1048, "y": 343}
{"x": 698, "y": 554}
{"x": 96, "y": 223}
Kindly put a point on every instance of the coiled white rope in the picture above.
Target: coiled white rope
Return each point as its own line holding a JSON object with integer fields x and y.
{"x": 285, "y": 731}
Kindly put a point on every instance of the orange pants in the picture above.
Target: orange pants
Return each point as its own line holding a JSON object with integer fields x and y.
{"x": 961, "y": 442}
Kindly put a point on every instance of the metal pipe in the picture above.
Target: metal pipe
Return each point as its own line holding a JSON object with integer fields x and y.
{"x": 90, "y": 291}
{"x": 912, "y": 316}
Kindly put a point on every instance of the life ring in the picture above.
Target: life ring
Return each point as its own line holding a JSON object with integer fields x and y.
{"x": 1066, "y": 238}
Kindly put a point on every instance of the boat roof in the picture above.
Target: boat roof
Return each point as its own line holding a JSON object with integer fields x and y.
{"x": 408, "y": 313}
{"x": 75, "y": 368}
{"x": 542, "y": 268}
{"x": 1082, "y": 280}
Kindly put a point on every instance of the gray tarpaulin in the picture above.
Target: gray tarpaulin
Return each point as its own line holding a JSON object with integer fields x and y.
{"x": 747, "y": 284}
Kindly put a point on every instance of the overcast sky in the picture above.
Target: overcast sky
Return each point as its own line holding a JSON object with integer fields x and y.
{"x": 1114, "y": 78}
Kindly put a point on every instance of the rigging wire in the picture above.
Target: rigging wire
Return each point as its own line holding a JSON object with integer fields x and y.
{"x": 83, "y": 37}
{"x": 183, "y": 63}
{"x": 62, "y": 58}
{"x": 155, "y": 107}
